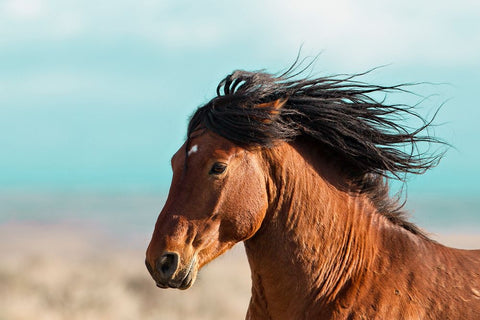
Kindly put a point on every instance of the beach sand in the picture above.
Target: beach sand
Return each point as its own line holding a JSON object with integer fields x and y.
{"x": 71, "y": 271}
{"x": 67, "y": 271}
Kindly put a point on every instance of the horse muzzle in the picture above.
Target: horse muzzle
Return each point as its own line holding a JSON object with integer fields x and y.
{"x": 168, "y": 271}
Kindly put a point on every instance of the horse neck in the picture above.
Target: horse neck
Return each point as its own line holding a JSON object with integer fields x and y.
{"x": 317, "y": 239}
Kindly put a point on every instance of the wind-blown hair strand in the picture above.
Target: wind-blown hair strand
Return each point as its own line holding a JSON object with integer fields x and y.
{"x": 339, "y": 113}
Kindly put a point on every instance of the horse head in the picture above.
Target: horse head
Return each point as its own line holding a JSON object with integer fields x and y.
{"x": 217, "y": 198}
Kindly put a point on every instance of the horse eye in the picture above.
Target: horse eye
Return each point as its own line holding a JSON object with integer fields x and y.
{"x": 218, "y": 168}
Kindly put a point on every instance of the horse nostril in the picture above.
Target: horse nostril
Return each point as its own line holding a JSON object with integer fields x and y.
{"x": 167, "y": 264}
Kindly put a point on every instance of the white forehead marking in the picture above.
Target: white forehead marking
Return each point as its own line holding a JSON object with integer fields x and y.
{"x": 193, "y": 150}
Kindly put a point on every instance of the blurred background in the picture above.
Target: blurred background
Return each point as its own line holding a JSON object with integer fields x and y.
{"x": 95, "y": 99}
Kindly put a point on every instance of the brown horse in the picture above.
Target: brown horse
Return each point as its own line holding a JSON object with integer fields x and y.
{"x": 298, "y": 171}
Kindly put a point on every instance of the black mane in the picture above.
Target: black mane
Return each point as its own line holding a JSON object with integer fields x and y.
{"x": 337, "y": 112}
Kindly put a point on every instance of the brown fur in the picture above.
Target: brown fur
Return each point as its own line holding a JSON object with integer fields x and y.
{"x": 318, "y": 248}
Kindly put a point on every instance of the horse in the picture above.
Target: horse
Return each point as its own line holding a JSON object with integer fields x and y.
{"x": 298, "y": 169}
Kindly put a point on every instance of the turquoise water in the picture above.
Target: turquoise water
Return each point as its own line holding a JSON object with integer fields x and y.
{"x": 107, "y": 159}
{"x": 119, "y": 132}
{"x": 88, "y": 126}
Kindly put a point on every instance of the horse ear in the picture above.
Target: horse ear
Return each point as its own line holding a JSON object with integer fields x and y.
{"x": 274, "y": 105}
{"x": 273, "y": 109}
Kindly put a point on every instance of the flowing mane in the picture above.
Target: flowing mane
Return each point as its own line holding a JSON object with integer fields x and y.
{"x": 338, "y": 113}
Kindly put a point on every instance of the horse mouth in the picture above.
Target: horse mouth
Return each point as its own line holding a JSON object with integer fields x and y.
{"x": 187, "y": 281}
{"x": 183, "y": 280}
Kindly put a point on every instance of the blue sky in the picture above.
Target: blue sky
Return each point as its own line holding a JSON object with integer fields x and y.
{"x": 96, "y": 95}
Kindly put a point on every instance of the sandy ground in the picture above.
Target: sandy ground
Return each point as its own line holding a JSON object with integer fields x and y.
{"x": 72, "y": 272}
{"x": 66, "y": 272}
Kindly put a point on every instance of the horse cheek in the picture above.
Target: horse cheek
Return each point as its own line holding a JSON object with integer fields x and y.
{"x": 242, "y": 224}
{"x": 254, "y": 221}
{"x": 251, "y": 211}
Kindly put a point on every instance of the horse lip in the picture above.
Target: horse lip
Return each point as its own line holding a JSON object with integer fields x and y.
{"x": 185, "y": 282}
